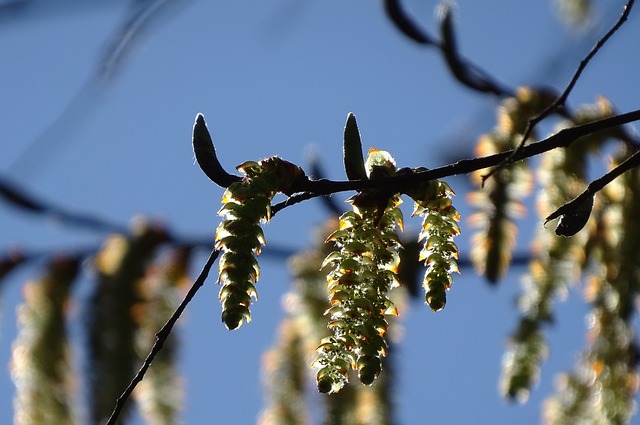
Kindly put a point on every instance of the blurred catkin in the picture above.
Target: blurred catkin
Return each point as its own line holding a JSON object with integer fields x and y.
{"x": 41, "y": 364}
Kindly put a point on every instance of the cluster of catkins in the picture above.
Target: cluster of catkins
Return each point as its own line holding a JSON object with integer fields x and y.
{"x": 364, "y": 265}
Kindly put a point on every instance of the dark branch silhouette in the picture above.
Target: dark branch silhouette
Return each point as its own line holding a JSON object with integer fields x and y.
{"x": 574, "y": 207}
{"x": 311, "y": 188}
{"x": 561, "y": 100}
{"x": 162, "y": 336}
{"x": 558, "y": 106}
{"x": 467, "y": 74}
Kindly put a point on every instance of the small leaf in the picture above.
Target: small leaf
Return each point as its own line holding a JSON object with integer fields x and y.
{"x": 352, "y": 150}
{"x": 573, "y": 215}
{"x": 206, "y": 155}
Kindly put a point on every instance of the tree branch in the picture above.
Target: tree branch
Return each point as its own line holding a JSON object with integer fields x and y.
{"x": 466, "y": 73}
{"x": 308, "y": 189}
{"x": 577, "y": 205}
{"x": 162, "y": 336}
{"x": 559, "y": 103}
{"x": 18, "y": 197}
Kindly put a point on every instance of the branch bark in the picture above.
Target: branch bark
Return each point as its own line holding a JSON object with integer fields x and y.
{"x": 311, "y": 188}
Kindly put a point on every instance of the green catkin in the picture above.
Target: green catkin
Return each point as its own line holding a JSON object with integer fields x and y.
{"x": 247, "y": 204}
{"x": 439, "y": 252}
{"x": 363, "y": 272}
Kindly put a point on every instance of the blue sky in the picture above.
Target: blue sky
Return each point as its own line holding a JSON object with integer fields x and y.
{"x": 279, "y": 77}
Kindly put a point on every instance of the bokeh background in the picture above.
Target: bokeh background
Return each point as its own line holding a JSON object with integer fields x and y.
{"x": 97, "y": 103}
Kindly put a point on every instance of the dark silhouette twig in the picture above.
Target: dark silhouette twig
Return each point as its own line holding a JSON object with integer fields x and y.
{"x": 316, "y": 170}
{"x": 595, "y": 186}
{"x": 559, "y": 103}
{"x": 18, "y": 197}
{"x": 466, "y": 73}
{"x": 162, "y": 336}
{"x": 399, "y": 17}
{"x": 308, "y": 189}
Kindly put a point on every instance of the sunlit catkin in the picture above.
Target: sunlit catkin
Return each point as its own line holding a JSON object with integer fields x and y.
{"x": 363, "y": 270}
{"x": 247, "y": 204}
{"x": 439, "y": 227}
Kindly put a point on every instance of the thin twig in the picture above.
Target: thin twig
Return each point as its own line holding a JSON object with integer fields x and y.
{"x": 308, "y": 189}
{"x": 560, "y": 101}
{"x": 466, "y": 73}
{"x": 596, "y": 186}
{"x": 162, "y": 336}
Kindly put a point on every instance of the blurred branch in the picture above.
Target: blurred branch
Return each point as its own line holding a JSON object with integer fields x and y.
{"x": 461, "y": 68}
{"x": 399, "y": 17}
{"x": 20, "y": 198}
{"x": 162, "y": 336}
{"x": 466, "y": 73}
{"x": 142, "y": 14}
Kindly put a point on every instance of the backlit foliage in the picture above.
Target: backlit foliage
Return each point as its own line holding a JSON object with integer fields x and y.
{"x": 439, "y": 227}
{"x": 363, "y": 272}
{"x": 342, "y": 314}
